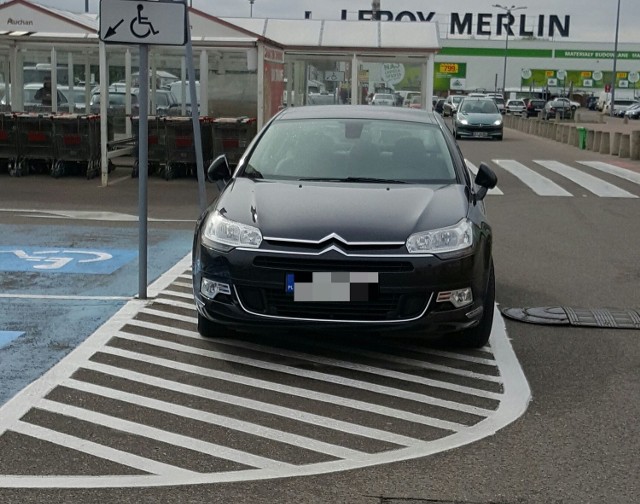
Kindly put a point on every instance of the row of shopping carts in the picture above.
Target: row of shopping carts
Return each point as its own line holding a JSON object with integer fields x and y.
{"x": 60, "y": 144}
{"x": 171, "y": 145}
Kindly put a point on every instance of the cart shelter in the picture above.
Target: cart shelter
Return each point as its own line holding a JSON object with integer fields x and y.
{"x": 244, "y": 66}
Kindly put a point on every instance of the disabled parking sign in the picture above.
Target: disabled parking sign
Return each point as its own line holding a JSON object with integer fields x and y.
{"x": 64, "y": 260}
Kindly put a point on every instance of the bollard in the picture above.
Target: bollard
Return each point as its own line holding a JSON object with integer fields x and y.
{"x": 590, "y": 135}
{"x": 625, "y": 142}
{"x": 615, "y": 147}
{"x": 605, "y": 142}
{"x": 572, "y": 136}
{"x": 634, "y": 148}
{"x": 597, "y": 135}
{"x": 558, "y": 135}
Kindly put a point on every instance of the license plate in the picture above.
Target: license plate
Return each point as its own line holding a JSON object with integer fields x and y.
{"x": 479, "y": 133}
{"x": 338, "y": 286}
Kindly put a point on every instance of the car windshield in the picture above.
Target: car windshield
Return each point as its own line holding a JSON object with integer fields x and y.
{"x": 352, "y": 150}
{"x": 456, "y": 99}
{"x": 479, "y": 107}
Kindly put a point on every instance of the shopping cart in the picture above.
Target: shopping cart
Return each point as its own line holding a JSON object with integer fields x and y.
{"x": 35, "y": 143}
{"x": 181, "y": 152}
{"x": 232, "y": 135}
{"x": 157, "y": 152}
{"x": 8, "y": 143}
{"x": 76, "y": 145}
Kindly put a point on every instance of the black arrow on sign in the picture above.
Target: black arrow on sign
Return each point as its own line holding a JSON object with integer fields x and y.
{"x": 112, "y": 29}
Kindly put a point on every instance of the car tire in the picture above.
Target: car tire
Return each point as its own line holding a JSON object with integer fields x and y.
{"x": 209, "y": 329}
{"x": 478, "y": 336}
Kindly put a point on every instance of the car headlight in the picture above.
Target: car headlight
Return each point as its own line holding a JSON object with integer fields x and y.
{"x": 498, "y": 122}
{"x": 463, "y": 121}
{"x": 223, "y": 234}
{"x": 449, "y": 239}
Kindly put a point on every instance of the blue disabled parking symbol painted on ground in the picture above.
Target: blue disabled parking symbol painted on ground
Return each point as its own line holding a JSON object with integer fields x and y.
{"x": 7, "y": 337}
{"x": 64, "y": 260}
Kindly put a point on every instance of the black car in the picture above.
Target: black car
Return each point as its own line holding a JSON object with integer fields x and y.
{"x": 556, "y": 108}
{"x": 347, "y": 218}
{"x": 533, "y": 108}
{"x": 478, "y": 118}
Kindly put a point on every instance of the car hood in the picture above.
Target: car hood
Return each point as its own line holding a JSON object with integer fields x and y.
{"x": 357, "y": 212}
{"x": 480, "y": 118}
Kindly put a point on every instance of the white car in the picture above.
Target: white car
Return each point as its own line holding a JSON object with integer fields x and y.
{"x": 570, "y": 103}
{"x": 383, "y": 99}
{"x": 515, "y": 106}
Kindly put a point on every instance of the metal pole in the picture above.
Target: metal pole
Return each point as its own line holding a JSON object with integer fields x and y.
{"x": 195, "y": 117}
{"x": 143, "y": 169}
{"x": 506, "y": 51}
{"x": 615, "y": 62}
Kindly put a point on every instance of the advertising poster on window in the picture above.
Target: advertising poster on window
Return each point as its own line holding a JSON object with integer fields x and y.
{"x": 274, "y": 85}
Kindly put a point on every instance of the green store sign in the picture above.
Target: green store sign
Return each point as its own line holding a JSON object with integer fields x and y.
{"x": 596, "y": 79}
{"x": 623, "y": 55}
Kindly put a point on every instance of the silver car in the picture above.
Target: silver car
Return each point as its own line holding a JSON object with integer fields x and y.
{"x": 383, "y": 99}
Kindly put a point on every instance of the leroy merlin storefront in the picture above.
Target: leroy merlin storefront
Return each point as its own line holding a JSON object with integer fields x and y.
{"x": 559, "y": 67}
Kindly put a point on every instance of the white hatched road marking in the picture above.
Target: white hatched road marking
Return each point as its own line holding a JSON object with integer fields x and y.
{"x": 511, "y": 402}
{"x": 538, "y": 184}
{"x": 474, "y": 169}
{"x": 597, "y": 186}
{"x": 629, "y": 175}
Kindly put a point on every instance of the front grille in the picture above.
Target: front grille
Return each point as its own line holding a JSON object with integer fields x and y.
{"x": 387, "y": 306}
{"x": 312, "y": 264}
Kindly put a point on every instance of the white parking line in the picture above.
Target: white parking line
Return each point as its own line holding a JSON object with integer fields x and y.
{"x": 512, "y": 400}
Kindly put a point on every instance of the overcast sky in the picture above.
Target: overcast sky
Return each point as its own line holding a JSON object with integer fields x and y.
{"x": 591, "y": 20}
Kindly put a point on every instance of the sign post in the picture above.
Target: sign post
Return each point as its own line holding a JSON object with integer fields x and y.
{"x": 144, "y": 23}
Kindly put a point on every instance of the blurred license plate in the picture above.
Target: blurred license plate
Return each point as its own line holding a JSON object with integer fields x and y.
{"x": 340, "y": 286}
{"x": 479, "y": 133}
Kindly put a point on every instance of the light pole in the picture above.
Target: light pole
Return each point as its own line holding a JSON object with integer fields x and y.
{"x": 506, "y": 43}
{"x": 615, "y": 61}
{"x": 251, "y": 2}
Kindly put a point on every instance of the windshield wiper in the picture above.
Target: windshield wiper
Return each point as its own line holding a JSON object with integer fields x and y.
{"x": 354, "y": 179}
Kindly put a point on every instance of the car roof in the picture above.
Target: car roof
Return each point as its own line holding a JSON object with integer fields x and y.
{"x": 357, "y": 112}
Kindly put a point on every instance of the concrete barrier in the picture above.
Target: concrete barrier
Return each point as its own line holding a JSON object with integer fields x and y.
{"x": 565, "y": 133}
{"x": 605, "y": 142}
{"x": 597, "y": 136}
{"x": 615, "y": 146}
{"x": 572, "y": 136}
{"x": 533, "y": 123}
{"x": 635, "y": 145}
{"x": 590, "y": 137}
{"x": 625, "y": 142}
{"x": 559, "y": 129}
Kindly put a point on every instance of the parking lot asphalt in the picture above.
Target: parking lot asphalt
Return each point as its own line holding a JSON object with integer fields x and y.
{"x": 69, "y": 260}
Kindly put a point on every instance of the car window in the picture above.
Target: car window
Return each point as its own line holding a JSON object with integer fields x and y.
{"x": 341, "y": 148}
{"x": 479, "y": 107}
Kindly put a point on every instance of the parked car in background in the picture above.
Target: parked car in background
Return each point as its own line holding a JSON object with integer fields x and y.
{"x": 620, "y": 106}
{"x": 556, "y": 108}
{"x": 592, "y": 103}
{"x": 383, "y": 99}
{"x": 478, "y": 118}
{"x": 451, "y": 104}
{"x": 30, "y": 101}
{"x": 534, "y": 107}
{"x": 500, "y": 103}
{"x": 633, "y": 112}
{"x": 572, "y": 105}
{"x": 416, "y": 102}
{"x": 515, "y": 106}
{"x": 397, "y": 240}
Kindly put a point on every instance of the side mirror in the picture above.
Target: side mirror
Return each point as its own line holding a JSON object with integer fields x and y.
{"x": 486, "y": 179}
{"x": 219, "y": 169}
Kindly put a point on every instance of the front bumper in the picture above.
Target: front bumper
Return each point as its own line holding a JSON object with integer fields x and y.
{"x": 478, "y": 131}
{"x": 404, "y": 299}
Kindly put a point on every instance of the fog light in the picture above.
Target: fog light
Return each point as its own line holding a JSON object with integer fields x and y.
{"x": 458, "y": 297}
{"x": 210, "y": 288}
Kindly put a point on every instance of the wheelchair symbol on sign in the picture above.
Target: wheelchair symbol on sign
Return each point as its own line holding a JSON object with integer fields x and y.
{"x": 141, "y": 22}
{"x": 57, "y": 259}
